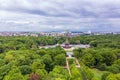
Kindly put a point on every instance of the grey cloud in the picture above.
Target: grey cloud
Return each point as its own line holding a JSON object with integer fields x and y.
{"x": 59, "y": 14}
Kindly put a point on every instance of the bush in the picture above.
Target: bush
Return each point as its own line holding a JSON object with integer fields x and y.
{"x": 71, "y": 61}
{"x": 102, "y": 66}
{"x": 104, "y": 76}
{"x": 25, "y": 69}
{"x": 113, "y": 69}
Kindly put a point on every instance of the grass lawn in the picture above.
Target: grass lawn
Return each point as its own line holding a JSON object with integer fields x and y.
{"x": 98, "y": 74}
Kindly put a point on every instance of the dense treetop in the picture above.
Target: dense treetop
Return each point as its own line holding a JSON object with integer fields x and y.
{"x": 22, "y": 59}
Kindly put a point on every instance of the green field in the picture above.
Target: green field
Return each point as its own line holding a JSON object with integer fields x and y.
{"x": 98, "y": 74}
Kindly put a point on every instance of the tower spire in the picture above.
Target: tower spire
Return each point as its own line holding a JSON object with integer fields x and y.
{"x": 67, "y": 35}
{"x": 67, "y": 42}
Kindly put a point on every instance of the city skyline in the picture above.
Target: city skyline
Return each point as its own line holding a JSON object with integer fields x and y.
{"x": 52, "y": 15}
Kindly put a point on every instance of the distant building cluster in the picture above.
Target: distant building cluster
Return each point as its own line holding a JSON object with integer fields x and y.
{"x": 18, "y": 34}
{"x": 104, "y": 33}
{"x": 53, "y": 33}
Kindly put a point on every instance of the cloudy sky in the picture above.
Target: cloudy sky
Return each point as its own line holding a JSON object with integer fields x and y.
{"x": 57, "y": 15}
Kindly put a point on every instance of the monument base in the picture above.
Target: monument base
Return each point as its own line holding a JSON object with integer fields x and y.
{"x": 67, "y": 46}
